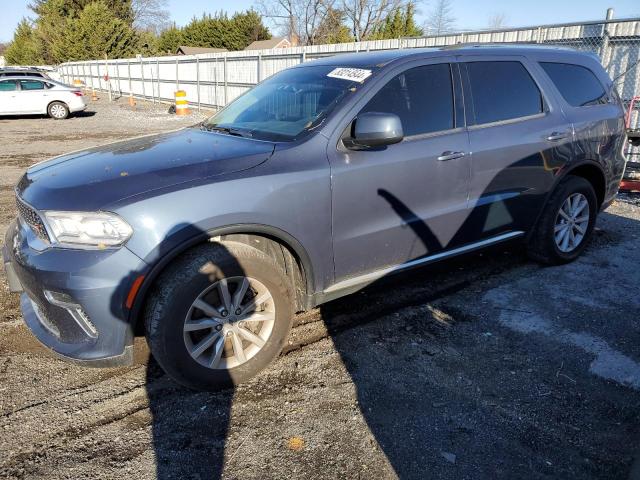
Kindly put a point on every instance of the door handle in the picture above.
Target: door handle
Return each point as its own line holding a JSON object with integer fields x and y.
{"x": 449, "y": 155}
{"x": 555, "y": 136}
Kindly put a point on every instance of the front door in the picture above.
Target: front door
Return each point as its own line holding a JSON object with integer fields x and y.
{"x": 401, "y": 202}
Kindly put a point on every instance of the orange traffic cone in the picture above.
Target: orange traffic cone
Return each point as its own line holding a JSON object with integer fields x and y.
{"x": 94, "y": 97}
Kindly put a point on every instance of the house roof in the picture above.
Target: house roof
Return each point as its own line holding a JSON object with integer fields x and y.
{"x": 184, "y": 50}
{"x": 275, "y": 42}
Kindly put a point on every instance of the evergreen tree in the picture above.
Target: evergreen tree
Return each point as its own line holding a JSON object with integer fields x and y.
{"x": 25, "y": 47}
{"x": 72, "y": 8}
{"x": 98, "y": 32}
{"x": 400, "y": 23}
{"x": 247, "y": 28}
{"x": 333, "y": 29}
{"x": 170, "y": 40}
{"x": 220, "y": 31}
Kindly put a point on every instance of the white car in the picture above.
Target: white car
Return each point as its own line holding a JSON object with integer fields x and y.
{"x": 21, "y": 95}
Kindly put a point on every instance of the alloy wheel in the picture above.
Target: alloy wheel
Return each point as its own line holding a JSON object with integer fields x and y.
{"x": 572, "y": 222}
{"x": 58, "y": 111}
{"x": 229, "y": 322}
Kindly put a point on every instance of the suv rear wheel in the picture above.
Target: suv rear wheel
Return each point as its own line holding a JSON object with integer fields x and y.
{"x": 566, "y": 224}
{"x": 219, "y": 315}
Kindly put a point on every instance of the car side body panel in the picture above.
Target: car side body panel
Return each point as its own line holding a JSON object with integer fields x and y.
{"x": 289, "y": 193}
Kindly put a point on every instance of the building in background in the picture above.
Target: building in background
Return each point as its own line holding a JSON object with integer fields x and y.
{"x": 275, "y": 42}
{"x": 184, "y": 50}
{"x": 2, "y": 62}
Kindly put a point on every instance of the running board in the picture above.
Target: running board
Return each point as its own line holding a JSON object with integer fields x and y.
{"x": 353, "y": 284}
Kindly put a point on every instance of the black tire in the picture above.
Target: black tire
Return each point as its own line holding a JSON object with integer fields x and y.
{"x": 542, "y": 246}
{"x": 178, "y": 287}
{"x": 58, "y": 110}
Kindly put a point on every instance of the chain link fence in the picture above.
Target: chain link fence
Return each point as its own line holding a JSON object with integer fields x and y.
{"x": 213, "y": 80}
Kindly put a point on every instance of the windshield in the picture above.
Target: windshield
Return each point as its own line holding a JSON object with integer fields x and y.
{"x": 285, "y": 107}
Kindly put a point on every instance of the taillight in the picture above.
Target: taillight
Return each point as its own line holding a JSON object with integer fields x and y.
{"x": 77, "y": 93}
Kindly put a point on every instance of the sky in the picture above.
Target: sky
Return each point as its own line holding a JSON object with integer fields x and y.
{"x": 470, "y": 14}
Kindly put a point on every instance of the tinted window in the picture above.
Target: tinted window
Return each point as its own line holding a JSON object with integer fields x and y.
{"x": 7, "y": 86}
{"x": 31, "y": 85}
{"x": 502, "y": 91}
{"x": 577, "y": 85}
{"x": 422, "y": 97}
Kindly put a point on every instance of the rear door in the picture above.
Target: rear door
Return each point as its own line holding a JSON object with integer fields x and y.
{"x": 8, "y": 96}
{"x": 519, "y": 138}
{"x": 587, "y": 99}
{"x": 33, "y": 96}
{"x": 395, "y": 204}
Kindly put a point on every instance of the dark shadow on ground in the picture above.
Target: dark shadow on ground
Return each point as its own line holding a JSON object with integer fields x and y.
{"x": 83, "y": 114}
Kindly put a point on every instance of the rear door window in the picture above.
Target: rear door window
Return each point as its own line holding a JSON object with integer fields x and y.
{"x": 577, "y": 84}
{"x": 31, "y": 85}
{"x": 422, "y": 97}
{"x": 502, "y": 90}
{"x": 8, "y": 86}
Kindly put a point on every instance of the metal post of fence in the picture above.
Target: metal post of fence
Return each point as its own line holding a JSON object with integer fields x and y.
{"x": 158, "y": 79}
{"x": 118, "y": 76}
{"x": 226, "y": 93}
{"x": 303, "y": 57}
{"x": 604, "y": 50}
{"x": 198, "y": 80}
{"x": 144, "y": 90}
{"x": 129, "y": 75}
{"x": 215, "y": 83}
{"x": 177, "y": 70}
{"x": 106, "y": 76}
{"x": 259, "y": 66}
{"x": 539, "y": 37}
{"x": 153, "y": 90}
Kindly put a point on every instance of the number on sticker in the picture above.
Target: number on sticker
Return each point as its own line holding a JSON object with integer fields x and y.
{"x": 352, "y": 74}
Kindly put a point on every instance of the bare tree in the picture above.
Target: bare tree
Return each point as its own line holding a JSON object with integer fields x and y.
{"x": 150, "y": 15}
{"x": 440, "y": 19}
{"x": 300, "y": 20}
{"x": 497, "y": 20}
{"x": 365, "y": 16}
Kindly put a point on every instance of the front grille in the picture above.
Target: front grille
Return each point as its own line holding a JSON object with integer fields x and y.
{"x": 32, "y": 218}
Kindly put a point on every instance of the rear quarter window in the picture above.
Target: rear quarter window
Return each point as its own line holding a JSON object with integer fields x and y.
{"x": 502, "y": 90}
{"x": 31, "y": 85}
{"x": 577, "y": 84}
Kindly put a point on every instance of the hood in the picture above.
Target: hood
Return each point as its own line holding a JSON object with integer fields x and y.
{"x": 92, "y": 179}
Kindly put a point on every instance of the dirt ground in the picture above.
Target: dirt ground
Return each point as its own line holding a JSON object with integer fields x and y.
{"x": 488, "y": 366}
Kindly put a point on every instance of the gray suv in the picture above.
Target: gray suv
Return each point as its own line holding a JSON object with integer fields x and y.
{"x": 318, "y": 182}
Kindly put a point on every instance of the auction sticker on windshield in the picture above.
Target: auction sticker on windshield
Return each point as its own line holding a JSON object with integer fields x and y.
{"x": 352, "y": 74}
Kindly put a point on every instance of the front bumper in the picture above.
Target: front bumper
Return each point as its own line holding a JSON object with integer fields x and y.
{"x": 91, "y": 325}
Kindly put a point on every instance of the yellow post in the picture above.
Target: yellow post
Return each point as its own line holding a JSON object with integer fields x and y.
{"x": 182, "y": 105}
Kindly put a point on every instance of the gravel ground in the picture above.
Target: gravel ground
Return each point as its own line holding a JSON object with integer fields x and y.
{"x": 488, "y": 366}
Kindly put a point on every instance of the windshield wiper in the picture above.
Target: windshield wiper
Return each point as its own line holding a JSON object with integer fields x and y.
{"x": 229, "y": 131}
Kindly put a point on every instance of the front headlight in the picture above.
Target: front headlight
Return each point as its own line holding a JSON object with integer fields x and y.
{"x": 89, "y": 229}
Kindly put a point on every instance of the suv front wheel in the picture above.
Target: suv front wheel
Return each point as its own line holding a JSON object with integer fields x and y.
{"x": 218, "y": 315}
{"x": 566, "y": 224}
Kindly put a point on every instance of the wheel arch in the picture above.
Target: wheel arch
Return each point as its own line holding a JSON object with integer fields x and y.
{"x": 589, "y": 170}
{"x": 594, "y": 174}
{"x": 295, "y": 257}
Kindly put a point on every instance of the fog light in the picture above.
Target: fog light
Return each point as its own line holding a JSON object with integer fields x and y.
{"x": 63, "y": 300}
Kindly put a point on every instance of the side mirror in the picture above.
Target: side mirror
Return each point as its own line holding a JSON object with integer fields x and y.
{"x": 375, "y": 129}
